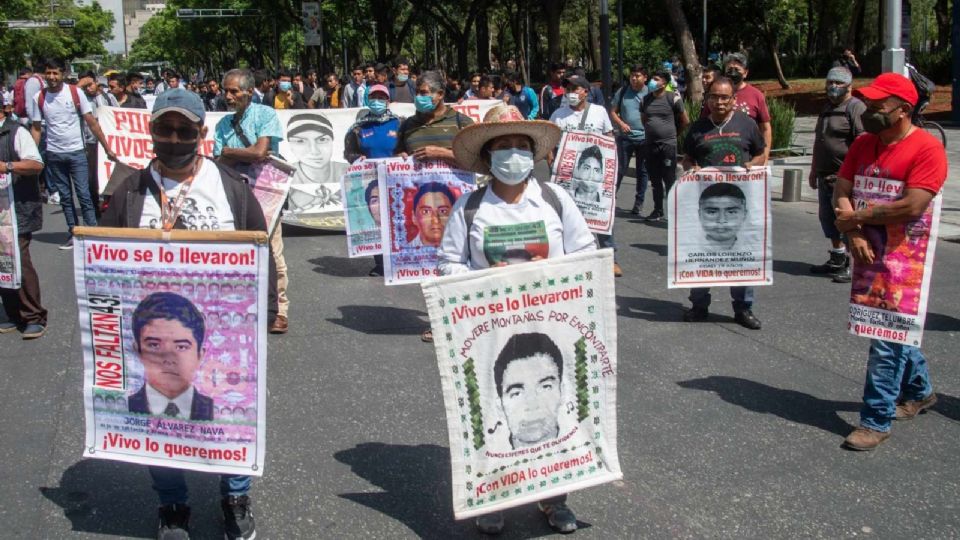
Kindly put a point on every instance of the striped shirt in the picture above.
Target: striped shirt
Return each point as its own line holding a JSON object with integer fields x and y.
{"x": 414, "y": 134}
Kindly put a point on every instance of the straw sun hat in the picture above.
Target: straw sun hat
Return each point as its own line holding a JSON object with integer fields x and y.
{"x": 502, "y": 120}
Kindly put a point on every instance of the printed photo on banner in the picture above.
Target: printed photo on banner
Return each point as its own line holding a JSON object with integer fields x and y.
{"x": 417, "y": 198}
{"x": 174, "y": 348}
{"x": 9, "y": 243}
{"x": 270, "y": 181}
{"x": 888, "y": 299}
{"x": 362, "y": 208}
{"x": 586, "y": 166}
{"x": 528, "y": 364}
{"x": 720, "y": 229}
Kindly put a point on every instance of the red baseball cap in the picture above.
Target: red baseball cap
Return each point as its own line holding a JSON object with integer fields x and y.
{"x": 889, "y": 84}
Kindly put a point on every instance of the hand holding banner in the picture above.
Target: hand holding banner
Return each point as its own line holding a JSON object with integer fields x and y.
{"x": 586, "y": 166}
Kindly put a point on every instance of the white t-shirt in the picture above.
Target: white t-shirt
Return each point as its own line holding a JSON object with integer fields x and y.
{"x": 63, "y": 123}
{"x": 30, "y": 90}
{"x": 205, "y": 207}
{"x": 26, "y": 149}
{"x": 598, "y": 121}
{"x": 514, "y": 233}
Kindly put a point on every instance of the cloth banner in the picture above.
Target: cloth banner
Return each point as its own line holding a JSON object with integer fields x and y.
{"x": 9, "y": 242}
{"x": 315, "y": 199}
{"x": 312, "y": 35}
{"x": 888, "y": 299}
{"x": 586, "y": 166}
{"x": 362, "y": 211}
{"x": 419, "y": 197}
{"x": 173, "y": 334}
{"x": 528, "y": 363}
{"x": 720, "y": 230}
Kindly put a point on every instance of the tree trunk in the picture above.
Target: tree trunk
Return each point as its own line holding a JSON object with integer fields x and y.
{"x": 687, "y": 47}
{"x": 483, "y": 42}
{"x": 593, "y": 34}
{"x": 809, "y": 50}
{"x": 855, "y": 29}
{"x": 774, "y": 49}
{"x": 552, "y": 9}
{"x": 824, "y": 28}
{"x": 942, "y": 10}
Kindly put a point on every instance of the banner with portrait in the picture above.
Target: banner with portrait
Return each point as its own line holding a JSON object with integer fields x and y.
{"x": 313, "y": 144}
{"x": 312, "y": 26}
{"x": 417, "y": 197}
{"x": 270, "y": 180}
{"x": 528, "y": 364}
{"x": 888, "y": 298}
{"x": 173, "y": 334}
{"x": 362, "y": 210}
{"x": 586, "y": 166}
{"x": 720, "y": 231}
{"x": 9, "y": 242}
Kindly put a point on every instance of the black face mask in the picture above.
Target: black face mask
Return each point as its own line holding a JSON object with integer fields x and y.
{"x": 175, "y": 155}
{"x": 876, "y": 121}
{"x": 735, "y": 76}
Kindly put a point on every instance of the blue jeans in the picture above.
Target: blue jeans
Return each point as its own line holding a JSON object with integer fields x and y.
{"x": 825, "y": 211}
{"x": 893, "y": 371}
{"x": 625, "y": 149}
{"x": 68, "y": 173}
{"x": 742, "y": 297}
{"x": 171, "y": 486}
{"x": 606, "y": 241}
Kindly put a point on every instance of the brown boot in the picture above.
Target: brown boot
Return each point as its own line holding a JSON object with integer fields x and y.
{"x": 865, "y": 439}
{"x": 280, "y": 325}
{"x": 909, "y": 409}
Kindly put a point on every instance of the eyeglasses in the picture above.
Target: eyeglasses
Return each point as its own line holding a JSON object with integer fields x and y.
{"x": 184, "y": 133}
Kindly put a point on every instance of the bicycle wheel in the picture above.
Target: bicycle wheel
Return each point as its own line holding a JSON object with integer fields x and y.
{"x": 936, "y": 130}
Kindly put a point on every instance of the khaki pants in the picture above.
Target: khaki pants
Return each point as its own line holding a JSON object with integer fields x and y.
{"x": 276, "y": 247}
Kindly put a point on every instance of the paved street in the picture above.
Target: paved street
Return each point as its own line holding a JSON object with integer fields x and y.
{"x": 723, "y": 432}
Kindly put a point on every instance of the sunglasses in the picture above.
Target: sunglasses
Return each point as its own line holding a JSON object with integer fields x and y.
{"x": 184, "y": 133}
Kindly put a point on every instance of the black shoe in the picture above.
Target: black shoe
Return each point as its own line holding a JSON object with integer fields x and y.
{"x": 656, "y": 215}
{"x": 490, "y": 523}
{"x": 843, "y": 276}
{"x": 696, "y": 314}
{"x": 560, "y": 517}
{"x": 747, "y": 319}
{"x": 637, "y": 208}
{"x": 376, "y": 271}
{"x": 67, "y": 245}
{"x": 174, "y": 522}
{"x": 237, "y": 518}
{"x": 836, "y": 263}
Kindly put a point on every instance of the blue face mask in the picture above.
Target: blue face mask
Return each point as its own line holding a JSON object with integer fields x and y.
{"x": 401, "y": 78}
{"x": 424, "y": 104}
{"x": 377, "y": 106}
{"x": 652, "y": 85}
{"x": 285, "y": 86}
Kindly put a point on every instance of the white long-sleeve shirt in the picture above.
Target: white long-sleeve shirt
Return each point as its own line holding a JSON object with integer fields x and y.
{"x": 513, "y": 232}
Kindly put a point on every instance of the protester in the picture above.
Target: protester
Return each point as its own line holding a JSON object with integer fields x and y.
{"x": 837, "y": 126}
{"x": 177, "y": 129}
{"x": 354, "y": 91}
{"x": 249, "y": 134}
{"x": 402, "y": 89}
{"x": 117, "y": 86}
{"x": 578, "y": 114}
{"x": 173, "y": 80}
{"x": 91, "y": 90}
{"x": 23, "y": 308}
{"x": 847, "y": 59}
{"x": 897, "y": 381}
{"x": 625, "y": 113}
{"x": 506, "y": 146}
{"x": 749, "y": 100}
{"x": 150, "y": 86}
{"x": 474, "y": 89}
{"x": 727, "y": 137}
{"x": 485, "y": 88}
{"x": 263, "y": 91}
{"x": 664, "y": 117}
{"x": 62, "y": 108}
{"x": 312, "y": 83}
{"x": 24, "y": 91}
{"x": 213, "y": 99}
{"x": 135, "y": 84}
{"x": 328, "y": 95}
{"x": 551, "y": 95}
{"x": 522, "y": 97}
{"x": 428, "y": 135}
{"x": 287, "y": 96}
{"x": 710, "y": 73}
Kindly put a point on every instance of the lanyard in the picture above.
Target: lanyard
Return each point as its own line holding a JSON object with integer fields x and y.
{"x": 170, "y": 210}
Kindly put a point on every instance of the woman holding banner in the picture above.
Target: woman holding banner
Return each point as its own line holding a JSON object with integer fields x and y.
{"x": 510, "y": 221}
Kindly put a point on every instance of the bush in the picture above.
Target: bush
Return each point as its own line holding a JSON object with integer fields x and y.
{"x": 693, "y": 112}
{"x": 936, "y": 66}
{"x": 782, "y": 116}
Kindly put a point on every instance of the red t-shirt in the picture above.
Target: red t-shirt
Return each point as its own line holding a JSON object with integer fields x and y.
{"x": 749, "y": 101}
{"x": 919, "y": 160}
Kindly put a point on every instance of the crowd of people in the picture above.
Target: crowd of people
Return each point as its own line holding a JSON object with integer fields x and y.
{"x": 863, "y": 131}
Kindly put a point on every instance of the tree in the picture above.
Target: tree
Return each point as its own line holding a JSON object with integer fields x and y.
{"x": 91, "y": 30}
{"x": 691, "y": 62}
{"x": 552, "y": 11}
{"x": 458, "y": 28}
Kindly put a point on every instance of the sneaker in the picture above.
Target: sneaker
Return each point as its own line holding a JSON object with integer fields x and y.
{"x": 637, "y": 209}
{"x": 238, "y": 518}
{"x": 843, "y": 276}
{"x": 617, "y": 271}
{"x": 696, "y": 314}
{"x": 490, "y": 523}
{"x": 560, "y": 517}
{"x": 747, "y": 319}
{"x": 174, "y": 522}
{"x": 837, "y": 262}
{"x": 280, "y": 325}
{"x": 656, "y": 215}
{"x": 7, "y": 326}
{"x": 34, "y": 331}
{"x": 427, "y": 336}
{"x": 54, "y": 198}
{"x": 68, "y": 244}
{"x": 908, "y": 410}
{"x": 865, "y": 439}
{"x": 377, "y": 271}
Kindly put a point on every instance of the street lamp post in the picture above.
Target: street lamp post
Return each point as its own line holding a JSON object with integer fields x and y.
{"x": 605, "y": 47}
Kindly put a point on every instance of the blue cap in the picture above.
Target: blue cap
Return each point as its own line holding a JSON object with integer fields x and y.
{"x": 181, "y": 101}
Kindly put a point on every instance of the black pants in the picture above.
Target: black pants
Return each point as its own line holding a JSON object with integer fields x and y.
{"x": 93, "y": 167}
{"x": 662, "y": 168}
{"x": 22, "y": 305}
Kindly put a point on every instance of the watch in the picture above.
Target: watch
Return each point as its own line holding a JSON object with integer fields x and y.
{"x": 9, "y": 167}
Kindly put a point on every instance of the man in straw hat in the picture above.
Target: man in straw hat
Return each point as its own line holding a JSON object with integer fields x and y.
{"x": 505, "y": 146}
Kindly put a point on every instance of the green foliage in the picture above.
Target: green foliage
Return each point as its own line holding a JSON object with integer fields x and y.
{"x": 473, "y": 396}
{"x": 92, "y": 29}
{"x": 580, "y": 374}
{"x": 936, "y": 66}
{"x": 693, "y": 112}
{"x": 638, "y": 48}
{"x": 782, "y": 116}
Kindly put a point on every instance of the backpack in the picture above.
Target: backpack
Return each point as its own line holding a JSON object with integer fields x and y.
{"x": 925, "y": 87}
{"x": 474, "y": 199}
{"x": 73, "y": 93}
{"x": 20, "y": 95}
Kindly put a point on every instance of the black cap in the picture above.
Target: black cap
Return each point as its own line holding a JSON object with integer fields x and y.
{"x": 576, "y": 80}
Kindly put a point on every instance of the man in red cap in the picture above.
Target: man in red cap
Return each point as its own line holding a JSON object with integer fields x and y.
{"x": 912, "y": 164}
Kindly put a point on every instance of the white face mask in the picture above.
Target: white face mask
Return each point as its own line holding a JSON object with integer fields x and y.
{"x": 511, "y": 165}
{"x": 573, "y": 99}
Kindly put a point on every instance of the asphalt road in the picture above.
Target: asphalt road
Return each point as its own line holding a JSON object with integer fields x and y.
{"x": 723, "y": 433}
